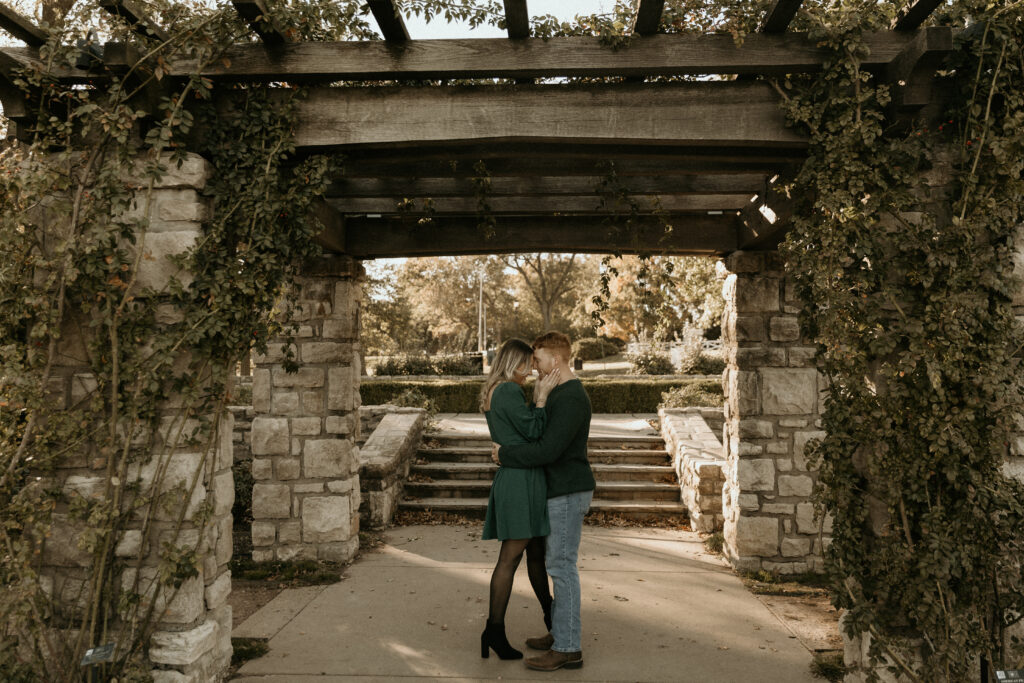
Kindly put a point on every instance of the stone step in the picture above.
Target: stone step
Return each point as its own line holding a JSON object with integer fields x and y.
{"x": 607, "y": 456}
{"x": 461, "y": 440}
{"x": 602, "y": 472}
{"x": 606, "y": 490}
{"x": 476, "y": 508}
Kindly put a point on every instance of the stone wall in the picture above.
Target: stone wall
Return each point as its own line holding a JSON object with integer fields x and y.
{"x": 305, "y": 459}
{"x": 371, "y": 416}
{"x": 384, "y": 464}
{"x": 187, "y": 463}
{"x": 772, "y": 406}
{"x": 698, "y": 461}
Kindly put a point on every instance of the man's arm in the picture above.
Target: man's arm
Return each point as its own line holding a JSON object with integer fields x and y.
{"x": 565, "y": 419}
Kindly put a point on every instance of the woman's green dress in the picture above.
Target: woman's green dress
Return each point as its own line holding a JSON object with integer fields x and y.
{"x": 518, "y": 505}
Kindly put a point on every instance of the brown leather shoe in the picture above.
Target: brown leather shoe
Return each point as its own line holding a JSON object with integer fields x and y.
{"x": 541, "y": 642}
{"x": 553, "y": 660}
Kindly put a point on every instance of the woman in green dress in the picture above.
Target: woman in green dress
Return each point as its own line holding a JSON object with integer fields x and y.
{"x": 517, "y": 512}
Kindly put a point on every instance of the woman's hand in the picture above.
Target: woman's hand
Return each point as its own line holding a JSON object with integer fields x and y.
{"x": 544, "y": 387}
{"x": 494, "y": 453}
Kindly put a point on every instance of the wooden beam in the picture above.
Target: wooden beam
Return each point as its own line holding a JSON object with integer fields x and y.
{"x": 28, "y": 58}
{"x": 914, "y": 14}
{"x": 21, "y": 28}
{"x": 912, "y": 72}
{"x": 254, "y": 12}
{"x": 696, "y": 113}
{"x": 647, "y": 17}
{"x": 136, "y": 19}
{"x": 745, "y": 185}
{"x": 580, "y": 56}
{"x": 523, "y": 206}
{"x": 367, "y": 238}
{"x": 390, "y": 21}
{"x": 517, "y": 19}
{"x": 779, "y": 16}
{"x": 332, "y": 237}
{"x": 763, "y": 223}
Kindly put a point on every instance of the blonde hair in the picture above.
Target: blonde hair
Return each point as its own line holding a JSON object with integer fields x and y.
{"x": 511, "y": 355}
{"x": 556, "y": 342}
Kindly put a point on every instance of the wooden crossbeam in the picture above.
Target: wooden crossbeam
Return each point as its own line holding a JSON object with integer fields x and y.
{"x": 517, "y": 19}
{"x": 656, "y": 55}
{"x": 695, "y": 113}
{"x": 254, "y": 12}
{"x": 647, "y": 17}
{"x": 139, "y": 22}
{"x": 763, "y": 223}
{"x": 744, "y": 185}
{"x": 698, "y": 234}
{"x": 391, "y": 23}
{"x": 915, "y": 14}
{"x": 779, "y": 16}
{"x": 524, "y": 206}
{"x": 21, "y": 28}
{"x": 912, "y": 72}
{"x": 332, "y": 237}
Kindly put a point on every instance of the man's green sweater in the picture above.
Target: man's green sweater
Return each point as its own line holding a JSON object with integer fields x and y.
{"x": 562, "y": 449}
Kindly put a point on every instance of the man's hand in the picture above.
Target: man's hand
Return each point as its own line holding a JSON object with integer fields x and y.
{"x": 494, "y": 453}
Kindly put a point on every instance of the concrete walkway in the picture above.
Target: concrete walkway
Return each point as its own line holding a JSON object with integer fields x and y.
{"x": 656, "y": 607}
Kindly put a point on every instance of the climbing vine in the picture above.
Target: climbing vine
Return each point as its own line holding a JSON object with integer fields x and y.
{"x": 905, "y": 272}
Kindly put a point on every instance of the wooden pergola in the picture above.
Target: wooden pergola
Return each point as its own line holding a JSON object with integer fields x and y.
{"x": 699, "y": 154}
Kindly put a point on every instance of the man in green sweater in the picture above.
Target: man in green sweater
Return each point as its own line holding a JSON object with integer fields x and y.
{"x": 562, "y": 451}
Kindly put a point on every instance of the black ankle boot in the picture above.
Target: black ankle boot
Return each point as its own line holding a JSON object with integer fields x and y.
{"x": 493, "y": 638}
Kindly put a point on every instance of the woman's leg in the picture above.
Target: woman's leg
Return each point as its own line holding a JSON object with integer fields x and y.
{"x": 539, "y": 575}
{"x": 501, "y": 578}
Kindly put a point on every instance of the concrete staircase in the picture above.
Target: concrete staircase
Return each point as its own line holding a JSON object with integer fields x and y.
{"x": 453, "y": 473}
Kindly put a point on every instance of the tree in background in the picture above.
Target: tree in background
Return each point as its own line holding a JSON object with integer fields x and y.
{"x": 549, "y": 279}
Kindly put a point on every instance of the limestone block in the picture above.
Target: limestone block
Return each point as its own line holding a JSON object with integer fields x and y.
{"x": 796, "y": 486}
{"x": 326, "y": 352}
{"x": 156, "y": 268}
{"x": 263, "y": 555}
{"x": 87, "y": 487}
{"x": 304, "y": 377}
{"x": 339, "y": 552}
{"x": 342, "y": 326}
{"x": 287, "y": 468}
{"x": 178, "y": 472}
{"x": 309, "y": 487}
{"x": 328, "y": 458}
{"x": 285, "y": 403}
{"x": 757, "y": 294}
{"x": 61, "y": 547}
{"x": 757, "y": 429}
{"x": 181, "y": 648}
{"x": 313, "y": 402}
{"x": 223, "y": 492}
{"x": 325, "y": 519}
{"x": 290, "y": 531}
{"x": 274, "y": 353}
{"x": 262, "y": 468}
{"x": 749, "y": 328}
{"x": 790, "y": 391}
{"x": 177, "y": 606}
{"x": 778, "y": 508}
{"x": 305, "y": 426}
{"x": 801, "y": 357}
{"x": 299, "y": 551}
{"x": 784, "y": 329}
{"x": 130, "y": 544}
{"x": 800, "y": 440}
{"x": 792, "y": 422}
{"x": 795, "y": 547}
{"x": 225, "y": 444}
{"x": 339, "y": 424}
{"x": 263, "y": 533}
{"x": 1018, "y": 267}
{"x": 749, "y": 501}
{"x": 806, "y": 523}
{"x": 271, "y": 501}
{"x": 261, "y": 390}
{"x": 343, "y": 485}
{"x": 224, "y": 547}
{"x": 744, "y": 394}
{"x": 171, "y": 676}
{"x": 777, "y": 448}
{"x": 217, "y": 592}
{"x": 269, "y": 436}
{"x": 1014, "y": 469}
{"x": 786, "y": 567}
{"x": 753, "y": 536}
{"x": 342, "y": 389}
{"x": 755, "y": 474}
{"x": 783, "y": 464}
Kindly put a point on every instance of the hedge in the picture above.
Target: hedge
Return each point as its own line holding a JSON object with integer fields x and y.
{"x": 606, "y": 395}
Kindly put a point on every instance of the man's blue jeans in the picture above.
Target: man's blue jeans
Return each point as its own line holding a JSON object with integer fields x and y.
{"x": 563, "y": 545}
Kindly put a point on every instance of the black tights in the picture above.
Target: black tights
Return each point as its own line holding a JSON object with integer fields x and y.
{"x": 509, "y": 556}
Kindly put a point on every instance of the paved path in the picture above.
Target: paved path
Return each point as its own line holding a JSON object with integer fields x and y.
{"x": 656, "y": 607}
{"x": 601, "y": 424}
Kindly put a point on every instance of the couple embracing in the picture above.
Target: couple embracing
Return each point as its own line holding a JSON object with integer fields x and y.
{"x": 541, "y": 492}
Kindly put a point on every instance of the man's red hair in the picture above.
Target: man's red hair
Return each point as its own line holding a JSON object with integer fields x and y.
{"x": 556, "y": 342}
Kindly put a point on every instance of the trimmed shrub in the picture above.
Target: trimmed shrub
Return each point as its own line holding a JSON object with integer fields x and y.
{"x": 414, "y": 397}
{"x": 405, "y": 365}
{"x": 650, "y": 362}
{"x": 696, "y": 394}
{"x": 459, "y": 365}
{"x": 708, "y": 365}
{"x": 619, "y": 344}
{"x": 592, "y": 348}
{"x": 632, "y": 395}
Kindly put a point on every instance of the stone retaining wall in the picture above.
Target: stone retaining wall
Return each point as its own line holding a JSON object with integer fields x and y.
{"x": 698, "y": 460}
{"x": 305, "y": 499}
{"x": 371, "y": 416}
{"x": 384, "y": 460}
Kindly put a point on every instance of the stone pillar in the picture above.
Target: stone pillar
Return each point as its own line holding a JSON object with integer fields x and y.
{"x": 305, "y": 498}
{"x": 772, "y": 409}
{"x": 185, "y": 467}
